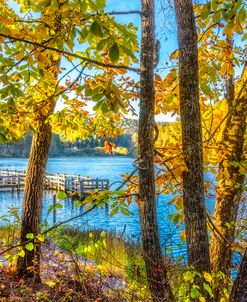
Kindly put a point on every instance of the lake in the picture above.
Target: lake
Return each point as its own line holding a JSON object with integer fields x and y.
{"x": 98, "y": 167}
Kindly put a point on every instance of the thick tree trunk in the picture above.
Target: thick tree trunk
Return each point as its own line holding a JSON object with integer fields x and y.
{"x": 230, "y": 185}
{"x": 193, "y": 184}
{"x": 28, "y": 266}
{"x": 156, "y": 271}
{"x": 239, "y": 289}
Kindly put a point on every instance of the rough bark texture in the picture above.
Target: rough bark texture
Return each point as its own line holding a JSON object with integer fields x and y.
{"x": 193, "y": 184}
{"x": 156, "y": 271}
{"x": 28, "y": 266}
{"x": 230, "y": 185}
{"x": 239, "y": 289}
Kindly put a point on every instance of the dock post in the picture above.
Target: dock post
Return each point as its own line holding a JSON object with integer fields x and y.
{"x": 58, "y": 182}
{"x": 78, "y": 185}
{"x": 18, "y": 182}
{"x": 82, "y": 189}
{"x": 54, "y": 210}
{"x": 64, "y": 182}
{"x": 106, "y": 187}
{"x": 72, "y": 184}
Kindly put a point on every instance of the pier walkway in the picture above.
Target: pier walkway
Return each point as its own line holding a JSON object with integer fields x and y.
{"x": 11, "y": 180}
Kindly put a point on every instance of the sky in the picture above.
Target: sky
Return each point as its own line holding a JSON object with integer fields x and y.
{"x": 165, "y": 32}
{"x": 164, "y": 20}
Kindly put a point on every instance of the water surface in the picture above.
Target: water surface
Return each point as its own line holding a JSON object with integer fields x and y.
{"x": 111, "y": 168}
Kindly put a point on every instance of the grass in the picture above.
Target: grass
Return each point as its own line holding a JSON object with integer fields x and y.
{"x": 112, "y": 254}
{"x": 110, "y": 251}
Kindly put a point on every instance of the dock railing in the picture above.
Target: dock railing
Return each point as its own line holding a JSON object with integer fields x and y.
{"x": 77, "y": 184}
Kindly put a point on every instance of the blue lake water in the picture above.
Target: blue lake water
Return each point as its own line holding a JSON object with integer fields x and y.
{"x": 111, "y": 168}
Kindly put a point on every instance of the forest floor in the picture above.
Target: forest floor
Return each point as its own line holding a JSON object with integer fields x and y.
{"x": 64, "y": 278}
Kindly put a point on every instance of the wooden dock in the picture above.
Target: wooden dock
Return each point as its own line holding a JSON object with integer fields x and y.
{"x": 81, "y": 186}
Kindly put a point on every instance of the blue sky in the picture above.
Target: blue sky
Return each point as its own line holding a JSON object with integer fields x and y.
{"x": 165, "y": 23}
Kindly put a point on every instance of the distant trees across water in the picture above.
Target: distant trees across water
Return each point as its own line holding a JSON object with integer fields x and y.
{"x": 88, "y": 147}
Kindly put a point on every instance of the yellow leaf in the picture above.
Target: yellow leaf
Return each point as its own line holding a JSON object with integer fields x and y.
{"x": 158, "y": 78}
{"x": 40, "y": 237}
{"x": 238, "y": 27}
{"x": 50, "y": 283}
{"x": 174, "y": 55}
{"x": 207, "y": 277}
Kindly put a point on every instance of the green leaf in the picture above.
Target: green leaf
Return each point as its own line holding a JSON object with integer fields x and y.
{"x": 194, "y": 293}
{"x": 78, "y": 203}
{"x": 244, "y": 37}
{"x": 120, "y": 192}
{"x": 96, "y": 29}
{"x": 29, "y": 246}
{"x": 114, "y": 53}
{"x": 206, "y": 10}
{"x": 61, "y": 195}
{"x": 58, "y": 206}
{"x": 208, "y": 289}
{"x": 189, "y": 276}
{"x": 80, "y": 249}
{"x": 3, "y": 138}
{"x": 212, "y": 170}
{"x": 100, "y": 4}
{"x": 242, "y": 14}
{"x": 125, "y": 211}
{"x": 227, "y": 30}
{"x": 114, "y": 211}
{"x": 169, "y": 250}
{"x": 30, "y": 236}
{"x": 21, "y": 253}
{"x": 217, "y": 16}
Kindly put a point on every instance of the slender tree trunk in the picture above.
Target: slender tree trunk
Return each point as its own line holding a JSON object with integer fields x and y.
{"x": 193, "y": 184}
{"x": 230, "y": 185}
{"x": 29, "y": 265}
{"x": 156, "y": 271}
{"x": 239, "y": 289}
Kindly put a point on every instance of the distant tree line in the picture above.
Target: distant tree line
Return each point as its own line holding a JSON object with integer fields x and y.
{"x": 89, "y": 146}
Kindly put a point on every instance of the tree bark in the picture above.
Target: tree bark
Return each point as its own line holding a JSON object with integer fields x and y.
{"x": 156, "y": 270}
{"x": 230, "y": 185}
{"x": 29, "y": 265}
{"x": 239, "y": 289}
{"x": 193, "y": 183}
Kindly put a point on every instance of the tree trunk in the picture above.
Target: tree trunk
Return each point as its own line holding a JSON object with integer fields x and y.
{"x": 230, "y": 185}
{"x": 239, "y": 289}
{"x": 156, "y": 271}
{"x": 29, "y": 265}
{"x": 193, "y": 184}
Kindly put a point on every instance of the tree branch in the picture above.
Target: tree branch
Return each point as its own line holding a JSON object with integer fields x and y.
{"x": 64, "y": 52}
